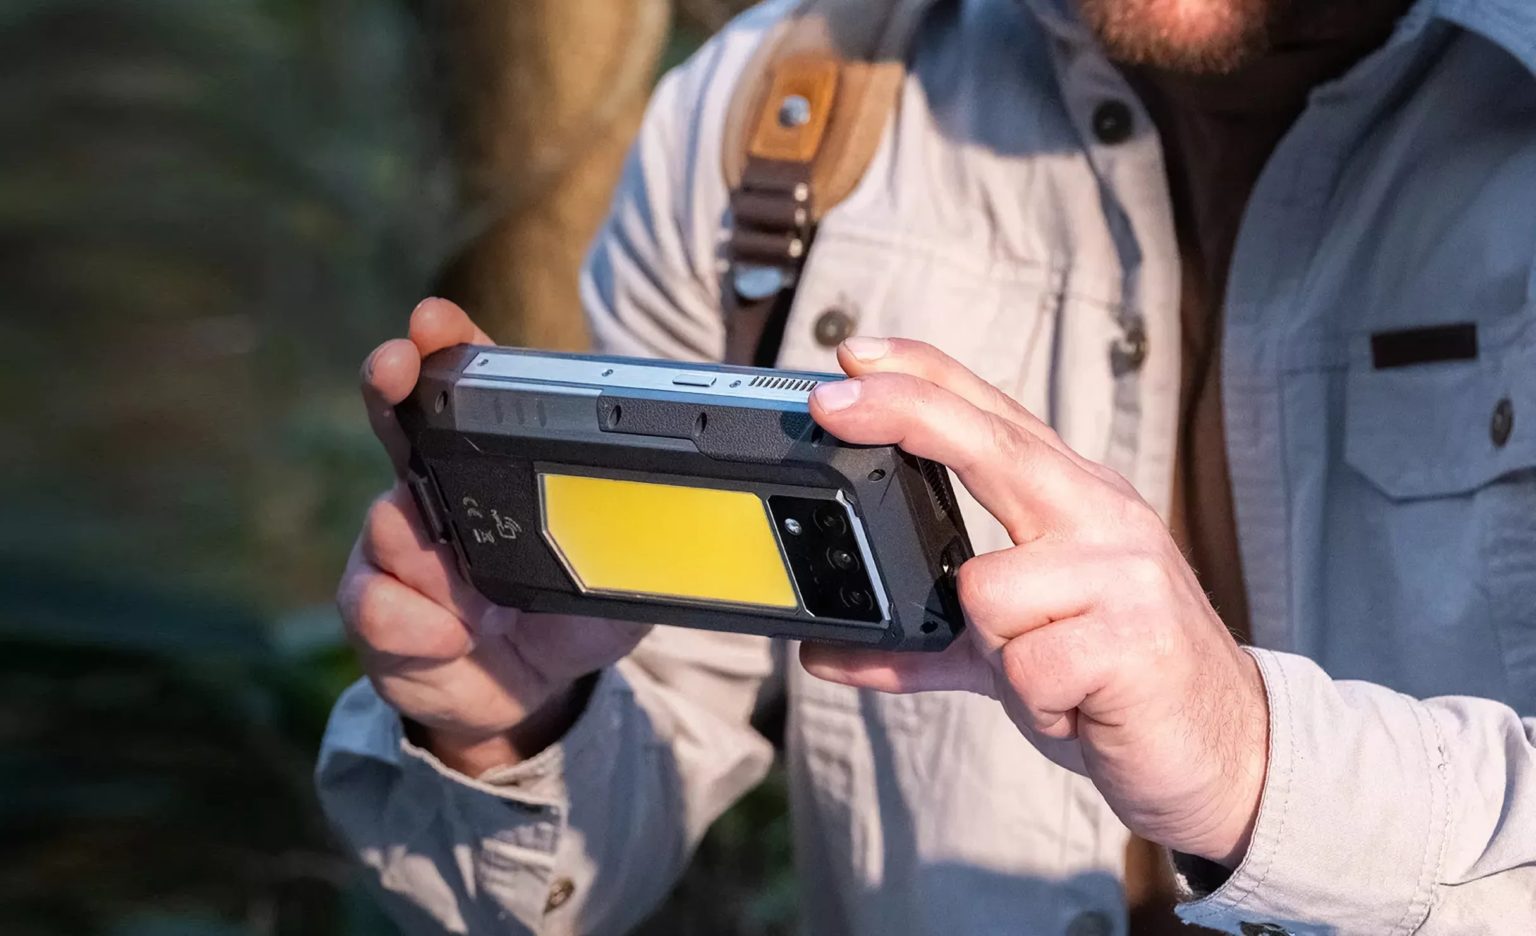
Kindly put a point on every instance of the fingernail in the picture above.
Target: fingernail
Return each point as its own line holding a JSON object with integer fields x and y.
{"x": 422, "y": 303}
{"x": 839, "y": 395}
{"x": 868, "y": 349}
{"x": 368, "y": 364}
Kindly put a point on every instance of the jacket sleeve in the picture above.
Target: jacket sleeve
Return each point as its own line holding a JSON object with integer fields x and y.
{"x": 586, "y": 837}
{"x": 589, "y": 836}
{"x": 1383, "y": 814}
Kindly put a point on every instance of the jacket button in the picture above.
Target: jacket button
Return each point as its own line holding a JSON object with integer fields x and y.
{"x": 559, "y": 893}
{"x": 1113, "y": 122}
{"x": 1503, "y": 422}
{"x": 832, "y": 327}
{"x": 1128, "y": 352}
{"x": 1091, "y": 923}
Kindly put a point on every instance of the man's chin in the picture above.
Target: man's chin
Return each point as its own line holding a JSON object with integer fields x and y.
{"x": 1197, "y": 37}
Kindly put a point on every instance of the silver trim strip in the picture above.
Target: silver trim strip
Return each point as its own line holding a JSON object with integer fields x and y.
{"x": 869, "y": 557}
{"x": 476, "y": 383}
{"x": 496, "y": 368}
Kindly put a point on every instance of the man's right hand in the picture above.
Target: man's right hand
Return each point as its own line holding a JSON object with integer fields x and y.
{"x": 485, "y": 686}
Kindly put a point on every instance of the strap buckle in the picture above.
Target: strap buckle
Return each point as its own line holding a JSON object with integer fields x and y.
{"x": 771, "y": 210}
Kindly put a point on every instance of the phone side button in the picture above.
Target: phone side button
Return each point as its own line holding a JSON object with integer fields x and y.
{"x": 694, "y": 380}
{"x": 426, "y": 503}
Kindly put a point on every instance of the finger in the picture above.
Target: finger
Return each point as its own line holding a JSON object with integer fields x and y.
{"x": 1014, "y": 591}
{"x": 862, "y": 355}
{"x": 1027, "y": 485}
{"x": 390, "y": 372}
{"x": 567, "y": 646}
{"x": 395, "y": 541}
{"x": 1054, "y": 670}
{"x": 388, "y": 375}
{"x": 437, "y": 324}
{"x": 387, "y": 618}
{"x": 956, "y": 668}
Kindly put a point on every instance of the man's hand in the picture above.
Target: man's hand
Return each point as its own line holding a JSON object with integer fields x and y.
{"x": 484, "y": 685}
{"x": 1091, "y": 630}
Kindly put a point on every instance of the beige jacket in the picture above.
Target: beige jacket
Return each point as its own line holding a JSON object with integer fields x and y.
{"x": 1387, "y": 515}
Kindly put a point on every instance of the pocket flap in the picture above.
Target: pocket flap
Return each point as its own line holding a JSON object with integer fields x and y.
{"x": 1430, "y": 430}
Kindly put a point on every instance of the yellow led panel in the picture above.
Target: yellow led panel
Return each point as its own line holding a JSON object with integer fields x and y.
{"x": 666, "y": 540}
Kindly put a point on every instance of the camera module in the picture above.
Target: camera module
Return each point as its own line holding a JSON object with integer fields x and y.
{"x": 830, "y": 518}
{"x": 856, "y": 598}
{"x": 820, "y": 546}
{"x": 841, "y": 559}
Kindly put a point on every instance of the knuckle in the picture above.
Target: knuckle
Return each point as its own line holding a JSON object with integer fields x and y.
{"x": 1115, "y": 480}
{"x": 1147, "y": 573}
{"x": 369, "y": 615}
{"x": 1135, "y": 520}
{"x": 1147, "y": 520}
{"x": 1006, "y": 439}
{"x": 1019, "y": 664}
{"x": 390, "y": 522}
{"x": 440, "y": 642}
{"x": 381, "y": 512}
{"x": 1051, "y": 437}
{"x": 348, "y": 596}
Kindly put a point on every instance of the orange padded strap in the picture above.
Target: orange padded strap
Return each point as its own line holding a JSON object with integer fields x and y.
{"x": 786, "y": 136}
{"x": 846, "y": 58}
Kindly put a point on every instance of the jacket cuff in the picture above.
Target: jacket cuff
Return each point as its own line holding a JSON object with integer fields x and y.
{"x": 1352, "y": 821}
{"x": 539, "y": 781}
{"x": 543, "y": 777}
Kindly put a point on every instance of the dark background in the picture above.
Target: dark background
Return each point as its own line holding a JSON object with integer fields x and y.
{"x": 209, "y": 211}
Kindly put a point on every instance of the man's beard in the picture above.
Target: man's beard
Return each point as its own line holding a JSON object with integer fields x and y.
{"x": 1201, "y": 37}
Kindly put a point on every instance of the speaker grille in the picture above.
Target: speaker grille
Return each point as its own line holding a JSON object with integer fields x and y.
{"x": 934, "y": 476}
{"x": 783, "y": 383}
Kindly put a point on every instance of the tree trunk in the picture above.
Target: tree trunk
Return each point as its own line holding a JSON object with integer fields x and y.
{"x": 542, "y": 98}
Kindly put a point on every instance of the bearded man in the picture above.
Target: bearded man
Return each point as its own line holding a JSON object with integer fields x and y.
{"x": 1224, "y": 314}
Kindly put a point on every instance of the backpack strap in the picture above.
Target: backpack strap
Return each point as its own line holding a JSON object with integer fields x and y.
{"x": 809, "y": 112}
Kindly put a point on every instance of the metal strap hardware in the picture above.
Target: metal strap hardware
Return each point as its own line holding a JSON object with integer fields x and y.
{"x": 808, "y": 116}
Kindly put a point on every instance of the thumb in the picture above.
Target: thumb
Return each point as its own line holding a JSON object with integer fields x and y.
{"x": 958, "y": 667}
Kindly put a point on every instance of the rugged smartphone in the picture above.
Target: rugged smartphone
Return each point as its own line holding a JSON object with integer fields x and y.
{"x": 697, "y": 495}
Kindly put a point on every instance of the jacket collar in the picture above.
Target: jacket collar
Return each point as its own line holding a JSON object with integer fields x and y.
{"x": 1510, "y": 24}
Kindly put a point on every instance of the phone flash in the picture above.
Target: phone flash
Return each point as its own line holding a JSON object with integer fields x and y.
{"x": 647, "y": 540}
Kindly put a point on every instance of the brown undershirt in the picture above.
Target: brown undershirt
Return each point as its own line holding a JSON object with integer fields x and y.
{"x": 1217, "y": 133}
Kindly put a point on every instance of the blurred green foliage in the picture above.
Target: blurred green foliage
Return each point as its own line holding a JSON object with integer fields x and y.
{"x": 208, "y": 212}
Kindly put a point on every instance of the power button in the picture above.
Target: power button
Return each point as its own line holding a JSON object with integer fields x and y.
{"x": 426, "y": 502}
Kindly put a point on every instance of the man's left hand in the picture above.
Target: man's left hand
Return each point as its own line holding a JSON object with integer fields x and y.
{"x": 1092, "y": 630}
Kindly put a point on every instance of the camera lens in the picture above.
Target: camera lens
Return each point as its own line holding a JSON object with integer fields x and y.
{"x": 842, "y": 559}
{"x": 856, "y": 598}
{"x": 830, "y": 519}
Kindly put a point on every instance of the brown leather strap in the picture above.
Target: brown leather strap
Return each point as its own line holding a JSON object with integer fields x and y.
{"x": 867, "y": 43}
{"x": 770, "y": 234}
{"x": 756, "y": 329}
{"x": 809, "y": 113}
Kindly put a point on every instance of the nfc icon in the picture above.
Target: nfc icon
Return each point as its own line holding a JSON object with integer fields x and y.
{"x": 506, "y": 526}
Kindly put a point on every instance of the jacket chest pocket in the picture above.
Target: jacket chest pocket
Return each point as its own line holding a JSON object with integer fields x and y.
{"x": 1446, "y": 525}
{"x": 996, "y": 317}
{"x": 1000, "y": 318}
